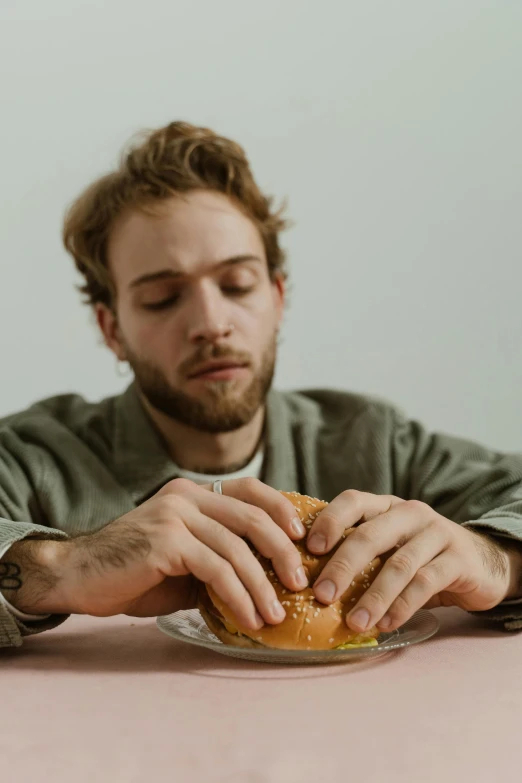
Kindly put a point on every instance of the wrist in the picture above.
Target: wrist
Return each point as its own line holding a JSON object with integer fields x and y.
{"x": 34, "y": 577}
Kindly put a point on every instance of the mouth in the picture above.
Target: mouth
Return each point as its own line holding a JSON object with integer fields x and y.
{"x": 224, "y": 370}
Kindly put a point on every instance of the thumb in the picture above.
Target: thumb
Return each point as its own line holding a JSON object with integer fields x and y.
{"x": 441, "y": 599}
{"x": 171, "y": 595}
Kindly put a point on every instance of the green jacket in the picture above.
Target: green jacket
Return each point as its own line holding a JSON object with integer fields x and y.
{"x": 68, "y": 466}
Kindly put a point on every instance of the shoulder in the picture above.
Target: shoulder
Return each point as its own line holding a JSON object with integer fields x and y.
{"x": 337, "y": 409}
{"x": 63, "y": 416}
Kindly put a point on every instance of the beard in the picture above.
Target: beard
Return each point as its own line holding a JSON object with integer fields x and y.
{"x": 218, "y": 408}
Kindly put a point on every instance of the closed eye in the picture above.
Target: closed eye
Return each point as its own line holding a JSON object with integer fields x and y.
{"x": 163, "y": 304}
{"x": 233, "y": 290}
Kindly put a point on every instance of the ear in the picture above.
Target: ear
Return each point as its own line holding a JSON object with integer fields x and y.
{"x": 279, "y": 289}
{"x": 108, "y": 323}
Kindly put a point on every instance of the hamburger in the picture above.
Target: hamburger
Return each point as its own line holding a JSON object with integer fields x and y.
{"x": 309, "y": 624}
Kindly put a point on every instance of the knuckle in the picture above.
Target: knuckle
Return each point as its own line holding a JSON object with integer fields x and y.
{"x": 284, "y": 553}
{"x": 261, "y": 586}
{"x": 288, "y": 550}
{"x": 425, "y": 578}
{"x": 224, "y": 574}
{"x": 416, "y": 506}
{"x": 339, "y": 570}
{"x": 284, "y": 508}
{"x": 257, "y": 518}
{"x": 353, "y": 497}
{"x": 239, "y": 549}
{"x": 249, "y": 484}
{"x": 445, "y": 527}
{"x": 223, "y": 537}
{"x": 375, "y": 597}
{"x": 167, "y": 508}
{"x": 400, "y": 562}
{"x": 328, "y": 520}
{"x": 400, "y": 610}
{"x": 174, "y": 525}
{"x": 179, "y": 486}
{"x": 366, "y": 534}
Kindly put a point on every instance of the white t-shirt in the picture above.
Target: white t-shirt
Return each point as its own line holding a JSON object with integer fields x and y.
{"x": 252, "y": 470}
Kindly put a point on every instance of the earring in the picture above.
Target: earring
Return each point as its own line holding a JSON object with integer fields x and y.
{"x": 122, "y": 368}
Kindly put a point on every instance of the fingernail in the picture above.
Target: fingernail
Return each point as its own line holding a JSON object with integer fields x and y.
{"x": 325, "y": 591}
{"x": 298, "y": 527}
{"x": 278, "y": 611}
{"x": 301, "y": 577}
{"x": 259, "y": 622}
{"x": 360, "y": 618}
{"x": 317, "y": 543}
{"x": 385, "y": 622}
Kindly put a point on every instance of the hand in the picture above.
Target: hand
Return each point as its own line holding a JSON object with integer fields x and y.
{"x": 147, "y": 562}
{"x": 436, "y": 562}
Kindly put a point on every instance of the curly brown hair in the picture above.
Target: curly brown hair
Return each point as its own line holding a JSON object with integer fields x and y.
{"x": 175, "y": 159}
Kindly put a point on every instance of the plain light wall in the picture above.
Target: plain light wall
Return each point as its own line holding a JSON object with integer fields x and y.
{"x": 393, "y": 128}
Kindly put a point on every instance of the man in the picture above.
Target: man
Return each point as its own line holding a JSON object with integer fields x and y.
{"x": 108, "y": 508}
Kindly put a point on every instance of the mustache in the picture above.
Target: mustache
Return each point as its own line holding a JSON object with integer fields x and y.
{"x": 207, "y": 352}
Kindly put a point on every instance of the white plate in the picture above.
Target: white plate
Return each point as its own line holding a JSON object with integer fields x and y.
{"x": 188, "y": 626}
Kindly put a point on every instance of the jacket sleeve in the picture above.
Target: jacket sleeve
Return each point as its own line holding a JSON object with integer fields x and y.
{"x": 465, "y": 482}
{"x": 20, "y": 517}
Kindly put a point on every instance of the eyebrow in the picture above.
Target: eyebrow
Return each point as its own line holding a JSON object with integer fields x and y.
{"x": 163, "y": 274}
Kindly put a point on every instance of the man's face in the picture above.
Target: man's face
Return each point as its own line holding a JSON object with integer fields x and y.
{"x": 197, "y": 314}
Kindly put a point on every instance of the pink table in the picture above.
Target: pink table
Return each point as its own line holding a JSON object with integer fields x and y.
{"x": 115, "y": 700}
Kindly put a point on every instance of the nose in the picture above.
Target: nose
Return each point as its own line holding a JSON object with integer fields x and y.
{"x": 209, "y": 317}
{"x": 211, "y": 332}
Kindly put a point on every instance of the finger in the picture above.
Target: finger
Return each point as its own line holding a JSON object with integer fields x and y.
{"x": 211, "y": 568}
{"x": 368, "y": 541}
{"x": 344, "y": 512}
{"x": 252, "y": 522}
{"x": 396, "y": 574}
{"x": 431, "y": 580}
{"x": 247, "y": 568}
{"x": 271, "y": 501}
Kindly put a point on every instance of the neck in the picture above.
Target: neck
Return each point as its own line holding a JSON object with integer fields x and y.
{"x": 207, "y": 452}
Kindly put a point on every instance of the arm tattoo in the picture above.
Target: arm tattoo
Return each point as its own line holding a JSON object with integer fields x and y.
{"x": 24, "y": 580}
{"x": 10, "y": 576}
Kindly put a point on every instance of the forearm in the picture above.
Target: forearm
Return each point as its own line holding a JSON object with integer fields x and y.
{"x": 31, "y": 577}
